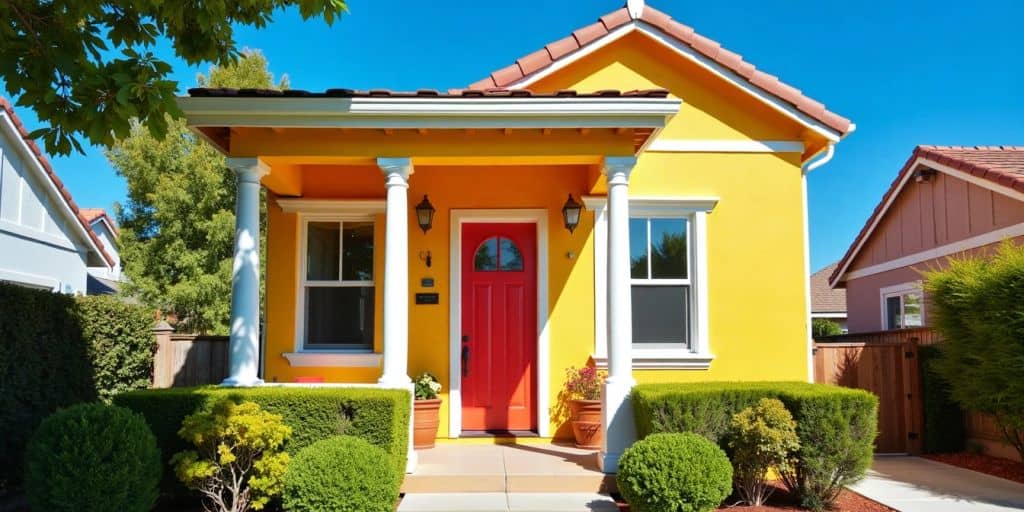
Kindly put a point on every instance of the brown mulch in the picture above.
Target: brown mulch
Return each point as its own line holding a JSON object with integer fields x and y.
{"x": 781, "y": 500}
{"x": 995, "y": 466}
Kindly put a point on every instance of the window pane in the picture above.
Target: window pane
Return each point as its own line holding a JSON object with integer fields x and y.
{"x": 638, "y": 248}
{"x": 486, "y": 258}
{"x": 668, "y": 248}
{"x": 339, "y": 317}
{"x": 322, "y": 251}
{"x": 912, "y": 310}
{"x": 661, "y": 314}
{"x": 892, "y": 313}
{"x": 357, "y": 264}
{"x": 511, "y": 259}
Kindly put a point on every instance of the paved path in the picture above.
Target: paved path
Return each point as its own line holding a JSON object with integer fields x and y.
{"x": 511, "y": 502}
{"x": 913, "y": 484}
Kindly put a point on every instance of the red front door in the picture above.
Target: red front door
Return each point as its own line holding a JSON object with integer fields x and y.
{"x": 499, "y": 326}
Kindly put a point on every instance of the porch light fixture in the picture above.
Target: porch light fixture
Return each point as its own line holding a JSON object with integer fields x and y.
{"x": 425, "y": 214}
{"x": 571, "y": 213}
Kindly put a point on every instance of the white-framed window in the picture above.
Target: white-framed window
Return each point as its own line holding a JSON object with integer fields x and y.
{"x": 902, "y": 306}
{"x": 336, "y": 285}
{"x": 668, "y": 268}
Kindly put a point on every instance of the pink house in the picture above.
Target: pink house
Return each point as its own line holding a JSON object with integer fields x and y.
{"x": 945, "y": 201}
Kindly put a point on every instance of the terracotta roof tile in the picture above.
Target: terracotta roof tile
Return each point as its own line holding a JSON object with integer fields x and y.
{"x": 534, "y": 61}
{"x": 45, "y": 163}
{"x": 1002, "y": 165}
{"x": 703, "y": 45}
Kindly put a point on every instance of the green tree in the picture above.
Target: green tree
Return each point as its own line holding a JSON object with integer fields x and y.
{"x": 178, "y": 225}
{"x": 85, "y": 66}
{"x": 976, "y": 305}
{"x": 821, "y": 327}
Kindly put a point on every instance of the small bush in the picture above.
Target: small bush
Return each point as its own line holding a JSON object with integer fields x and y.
{"x": 976, "y": 307}
{"x": 238, "y": 460}
{"x": 121, "y": 343}
{"x": 92, "y": 457}
{"x": 836, "y": 426}
{"x": 674, "y": 473}
{"x": 342, "y": 474}
{"x": 762, "y": 437}
{"x": 821, "y": 327}
{"x": 379, "y": 416}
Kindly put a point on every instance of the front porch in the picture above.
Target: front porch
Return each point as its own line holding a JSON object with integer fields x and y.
{"x": 496, "y": 297}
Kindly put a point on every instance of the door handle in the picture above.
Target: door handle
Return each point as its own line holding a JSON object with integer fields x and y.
{"x": 465, "y": 360}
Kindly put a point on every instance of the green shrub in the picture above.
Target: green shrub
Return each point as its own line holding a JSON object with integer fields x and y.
{"x": 379, "y": 416}
{"x": 821, "y": 327}
{"x": 762, "y": 437}
{"x": 121, "y": 343}
{"x": 238, "y": 461}
{"x": 674, "y": 473}
{"x": 836, "y": 426}
{"x": 92, "y": 457}
{"x": 342, "y": 474}
{"x": 944, "y": 429}
{"x": 976, "y": 307}
{"x": 44, "y": 365}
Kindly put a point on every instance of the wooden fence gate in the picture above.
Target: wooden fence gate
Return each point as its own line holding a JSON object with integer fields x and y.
{"x": 886, "y": 364}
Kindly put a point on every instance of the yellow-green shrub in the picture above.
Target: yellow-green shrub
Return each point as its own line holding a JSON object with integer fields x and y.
{"x": 762, "y": 437}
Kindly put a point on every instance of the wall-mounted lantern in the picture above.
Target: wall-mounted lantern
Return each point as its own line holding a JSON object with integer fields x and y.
{"x": 571, "y": 213}
{"x": 425, "y": 214}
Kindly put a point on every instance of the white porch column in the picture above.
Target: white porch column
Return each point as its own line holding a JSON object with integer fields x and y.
{"x": 396, "y": 272}
{"x": 617, "y": 413}
{"x": 244, "y": 345}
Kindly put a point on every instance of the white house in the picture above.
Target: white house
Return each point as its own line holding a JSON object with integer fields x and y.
{"x": 45, "y": 241}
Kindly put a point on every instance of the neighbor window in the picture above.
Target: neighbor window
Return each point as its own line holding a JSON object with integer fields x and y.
{"x": 903, "y": 307}
{"x": 337, "y": 285}
{"x": 661, "y": 288}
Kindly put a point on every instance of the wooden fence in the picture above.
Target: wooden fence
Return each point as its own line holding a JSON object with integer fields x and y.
{"x": 188, "y": 359}
{"x": 887, "y": 364}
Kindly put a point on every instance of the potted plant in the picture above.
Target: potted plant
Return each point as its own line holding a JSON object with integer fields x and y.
{"x": 425, "y": 411}
{"x": 583, "y": 390}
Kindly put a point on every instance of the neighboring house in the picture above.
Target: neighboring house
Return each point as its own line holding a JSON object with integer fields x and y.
{"x": 828, "y": 302}
{"x": 104, "y": 279}
{"x": 946, "y": 201}
{"x": 45, "y": 242}
{"x": 688, "y": 263}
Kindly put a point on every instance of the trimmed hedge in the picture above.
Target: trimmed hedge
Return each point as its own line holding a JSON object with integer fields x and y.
{"x": 92, "y": 457}
{"x": 674, "y": 473}
{"x": 836, "y": 426}
{"x": 379, "y": 416}
{"x": 121, "y": 343}
{"x": 944, "y": 427}
{"x": 44, "y": 365}
{"x": 341, "y": 474}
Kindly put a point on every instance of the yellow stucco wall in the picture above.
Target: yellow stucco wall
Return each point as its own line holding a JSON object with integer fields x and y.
{"x": 755, "y": 246}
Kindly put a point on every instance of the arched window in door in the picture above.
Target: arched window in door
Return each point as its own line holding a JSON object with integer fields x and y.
{"x": 498, "y": 253}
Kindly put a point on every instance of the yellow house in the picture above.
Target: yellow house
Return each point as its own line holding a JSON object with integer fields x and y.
{"x": 438, "y": 231}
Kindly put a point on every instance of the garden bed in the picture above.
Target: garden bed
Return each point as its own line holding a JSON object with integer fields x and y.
{"x": 995, "y": 466}
{"x": 781, "y": 500}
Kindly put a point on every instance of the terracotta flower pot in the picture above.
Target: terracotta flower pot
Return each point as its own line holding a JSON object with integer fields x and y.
{"x": 424, "y": 422}
{"x": 586, "y": 423}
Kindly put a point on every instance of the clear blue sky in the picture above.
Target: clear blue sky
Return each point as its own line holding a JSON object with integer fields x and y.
{"x": 908, "y": 73}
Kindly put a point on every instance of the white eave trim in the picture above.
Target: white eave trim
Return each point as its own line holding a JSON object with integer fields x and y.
{"x": 684, "y": 50}
{"x": 417, "y": 112}
{"x": 333, "y": 359}
{"x": 332, "y": 206}
{"x": 936, "y": 252}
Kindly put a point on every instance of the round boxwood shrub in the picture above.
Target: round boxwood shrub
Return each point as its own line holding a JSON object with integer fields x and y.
{"x": 343, "y": 474}
{"x": 92, "y": 457}
{"x": 674, "y": 473}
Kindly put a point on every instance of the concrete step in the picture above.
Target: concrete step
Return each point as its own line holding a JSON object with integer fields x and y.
{"x": 511, "y": 502}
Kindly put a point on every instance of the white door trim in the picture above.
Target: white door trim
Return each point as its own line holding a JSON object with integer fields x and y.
{"x": 536, "y": 216}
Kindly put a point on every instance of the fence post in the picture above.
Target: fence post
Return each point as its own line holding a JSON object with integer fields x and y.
{"x": 913, "y": 409}
{"x": 164, "y": 353}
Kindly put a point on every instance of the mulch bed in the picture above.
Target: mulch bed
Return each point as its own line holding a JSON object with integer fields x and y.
{"x": 781, "y": 500}
{"x": 995, "y": 466}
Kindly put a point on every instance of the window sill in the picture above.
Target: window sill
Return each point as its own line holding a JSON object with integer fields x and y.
{"x": 337, "y": 359}
{"x": 663, "y": 360}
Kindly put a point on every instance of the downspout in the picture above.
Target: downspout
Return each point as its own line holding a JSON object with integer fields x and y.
{"x": 805, "y": 169}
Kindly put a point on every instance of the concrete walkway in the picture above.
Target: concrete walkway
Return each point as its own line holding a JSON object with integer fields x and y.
{"x": 510, "y": 502}
{"x": 913, "y": 484}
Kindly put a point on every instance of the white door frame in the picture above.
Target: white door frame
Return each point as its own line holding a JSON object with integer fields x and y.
{"x": 536, "y": 216}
